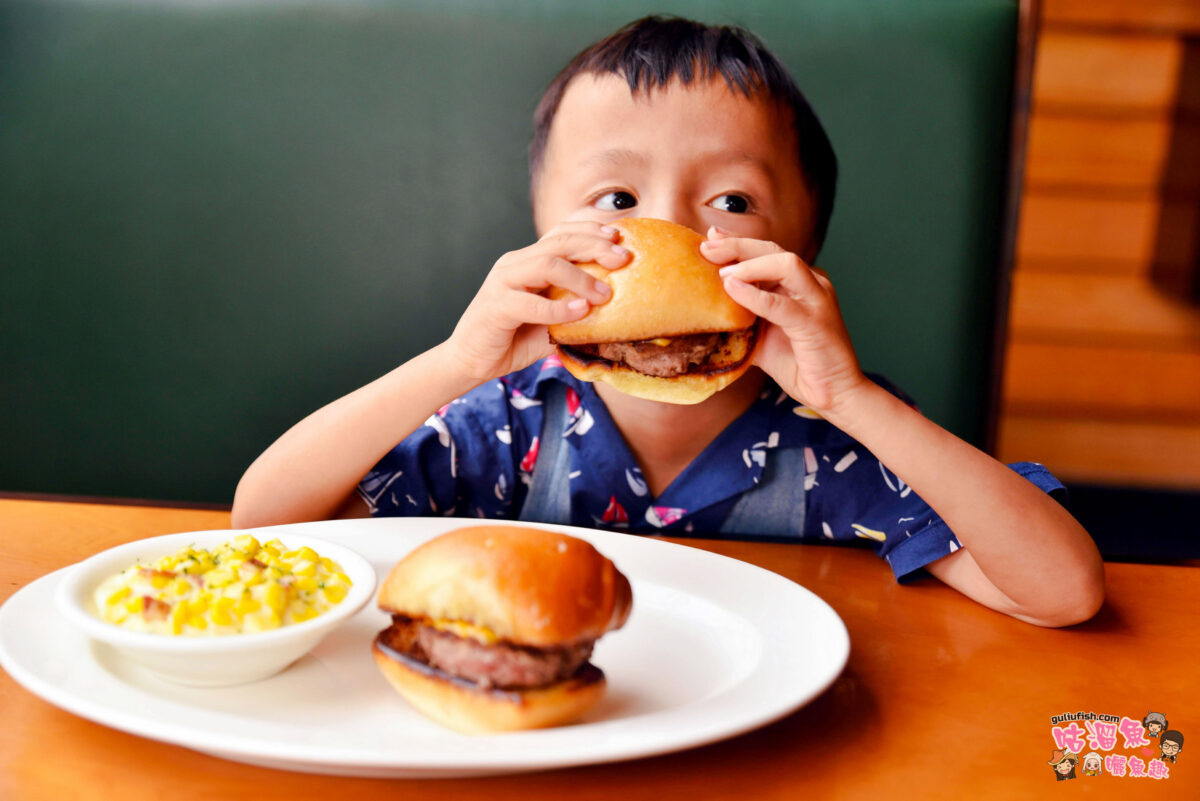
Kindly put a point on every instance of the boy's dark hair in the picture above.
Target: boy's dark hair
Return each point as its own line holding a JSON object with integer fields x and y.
{"x": 1172, "y": 736}
{"x": 650, "y": 52}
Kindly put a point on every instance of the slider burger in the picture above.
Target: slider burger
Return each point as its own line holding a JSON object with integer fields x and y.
{"x": 492, "y": 627}
{"x": 669, "y": 332}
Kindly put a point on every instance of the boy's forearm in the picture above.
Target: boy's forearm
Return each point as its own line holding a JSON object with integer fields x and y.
{"x": 1026, "y": 544}
{"x": 310, "y": 471}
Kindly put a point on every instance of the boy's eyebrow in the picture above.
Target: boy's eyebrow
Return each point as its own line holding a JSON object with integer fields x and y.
{"x": 615, "y": 157}
{"x": 621, "y": 157}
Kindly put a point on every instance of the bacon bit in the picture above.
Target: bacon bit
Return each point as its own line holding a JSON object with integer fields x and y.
{"x": 153, "y": 609}
{"x": 258, "y": 564}
{"x": 197, "y": 581}
{"x": 149, "y": 573}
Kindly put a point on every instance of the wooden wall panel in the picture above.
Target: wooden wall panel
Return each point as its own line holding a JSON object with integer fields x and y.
{"x": 1103, "y": 381}
{"x": 1135, "y": 74}
{"x": 1175, "y": 16}
{"x": 1102, "y": 378}
{"x": 1091, "y": 153}
{"x": 1106, "y": 451}
{"x": 1077, "y": 227}
{"x": 1113, "y": 310}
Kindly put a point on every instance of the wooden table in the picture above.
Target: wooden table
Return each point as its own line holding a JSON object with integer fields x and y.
{"x": 942, "y": 698}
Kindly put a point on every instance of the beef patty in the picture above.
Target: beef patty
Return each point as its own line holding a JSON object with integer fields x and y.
{"x": 503, "y": 665}
{"x": 669, "y": 357}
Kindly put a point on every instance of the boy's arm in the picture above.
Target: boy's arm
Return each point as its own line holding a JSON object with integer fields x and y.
{"x": 311, "y": 472}
{"x": 1023, "y": 554}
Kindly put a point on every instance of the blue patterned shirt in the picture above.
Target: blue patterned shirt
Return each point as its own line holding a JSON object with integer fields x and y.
{"x": 475, "y": 457}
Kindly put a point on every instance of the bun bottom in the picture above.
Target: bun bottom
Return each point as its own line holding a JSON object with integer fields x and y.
{"x": 465, "y": 707}
{"x": 685, "y": 389}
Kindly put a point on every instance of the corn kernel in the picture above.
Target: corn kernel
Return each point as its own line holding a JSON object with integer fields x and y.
{"x": 307, "y": 569}
{"x": 246, "y": 544}
{"x": 275, "y": 597}
{"x": 334, "y": 593}
{"x": 220, "y": 611}
{"x": 180, "y": 586}
{"x": 117, "y": 596}
{"x": 308, "y": 584}
{"x": 246, "y": 606}
{"x": 198, "y": 622}
{"x": 134, "y": 605}
{"x": 305, "y": 612}
{"x": 158, "y": 580}
{"x": 178, "y": 616}
{"x": 220, "y": 576}
{"x": 309, "y": 554}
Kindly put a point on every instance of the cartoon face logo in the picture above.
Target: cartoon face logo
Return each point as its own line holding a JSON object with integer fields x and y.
{"x": 1155, "y": 723}
{"x": 1171, "y": 743}
{"x": 1064, "y": 763}
{"x": 1092, "y": 764}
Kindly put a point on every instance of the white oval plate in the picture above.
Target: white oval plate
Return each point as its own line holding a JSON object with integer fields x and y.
{"x": 715, "y": 647}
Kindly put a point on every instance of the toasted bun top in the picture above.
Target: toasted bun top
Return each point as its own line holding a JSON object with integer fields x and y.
{"x": 667, "y": 289}
{"x": 527, "y": 585}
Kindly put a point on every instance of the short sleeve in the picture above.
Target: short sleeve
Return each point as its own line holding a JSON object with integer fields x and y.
{"x": 904, "y": 530}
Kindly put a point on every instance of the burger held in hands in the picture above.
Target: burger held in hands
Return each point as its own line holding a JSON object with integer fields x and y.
{"x": 670, "y": 332}
{"x": 492, "y": 627}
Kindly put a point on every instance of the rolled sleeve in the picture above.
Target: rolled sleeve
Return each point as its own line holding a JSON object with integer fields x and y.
{"x": 909, "y": 556}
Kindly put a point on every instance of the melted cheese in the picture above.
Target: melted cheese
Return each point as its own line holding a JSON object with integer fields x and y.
{"x": 461, "y": 628}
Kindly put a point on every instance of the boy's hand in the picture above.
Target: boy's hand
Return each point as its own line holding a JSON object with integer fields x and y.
{"x": 504, "y": 327}
{"x": 805, "y": 346}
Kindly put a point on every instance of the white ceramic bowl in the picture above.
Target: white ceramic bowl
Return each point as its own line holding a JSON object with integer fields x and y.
{"x": 208, "y": 661}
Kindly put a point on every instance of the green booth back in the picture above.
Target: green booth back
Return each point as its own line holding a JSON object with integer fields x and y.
{"x": 217, "y": 216}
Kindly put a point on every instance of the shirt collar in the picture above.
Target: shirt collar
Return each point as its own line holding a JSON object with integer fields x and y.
{"x": 731, "y": 464}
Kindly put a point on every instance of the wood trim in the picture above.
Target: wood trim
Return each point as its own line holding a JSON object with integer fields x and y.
{"x": 98, "y": 499}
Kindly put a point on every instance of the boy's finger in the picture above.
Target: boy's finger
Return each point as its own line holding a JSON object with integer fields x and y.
{"x": 536, "y": 274}
{"x": 530, "y": 308}
{"x": 582, "y": 247}
{"x": 783, "y": 269}
{"x": 771, "y": 306}
{"x": 584, "y": 227}
{"x": 727, "y": 249}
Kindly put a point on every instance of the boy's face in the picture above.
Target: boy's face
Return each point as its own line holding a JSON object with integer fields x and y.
{"x": 698, "y": 155}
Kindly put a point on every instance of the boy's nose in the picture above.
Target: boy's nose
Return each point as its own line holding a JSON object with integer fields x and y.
{"x": 676, "y": 212}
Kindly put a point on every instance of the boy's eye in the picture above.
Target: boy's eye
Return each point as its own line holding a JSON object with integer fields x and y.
{"x": 615, "y": 201}
{"x": 734, "y": 204}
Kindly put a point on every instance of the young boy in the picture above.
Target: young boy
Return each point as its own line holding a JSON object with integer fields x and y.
{"x": 702, "y": 126}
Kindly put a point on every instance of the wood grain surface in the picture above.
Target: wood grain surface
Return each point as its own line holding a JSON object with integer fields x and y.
{"x": 942, "y": 698}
